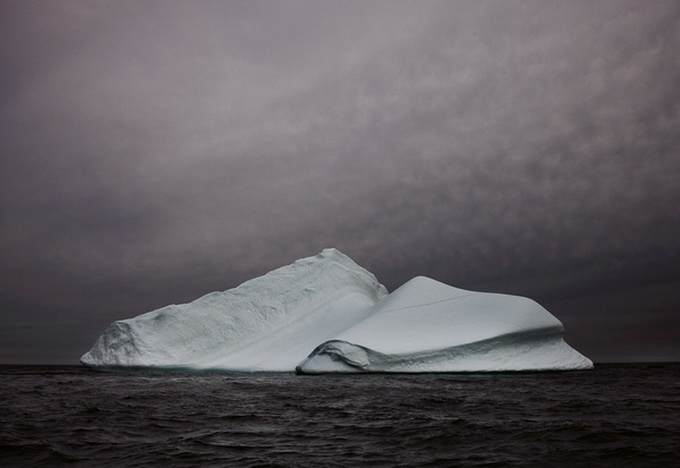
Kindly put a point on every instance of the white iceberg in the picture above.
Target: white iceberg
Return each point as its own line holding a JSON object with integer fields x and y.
{"x": 428, "y": 326}
{"x": 326, "y": 314}
{"x": 269, "y": 323}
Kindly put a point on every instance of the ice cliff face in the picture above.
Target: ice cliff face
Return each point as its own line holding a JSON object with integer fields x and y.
{"x": 326, "y": 314}
{"x": 269, "y": 323}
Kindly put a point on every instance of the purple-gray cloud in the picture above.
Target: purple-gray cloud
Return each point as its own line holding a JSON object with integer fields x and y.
{"x": 153, "y": 151}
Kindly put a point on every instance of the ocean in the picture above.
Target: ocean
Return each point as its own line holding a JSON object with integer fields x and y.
{"x": 615, "y": 415}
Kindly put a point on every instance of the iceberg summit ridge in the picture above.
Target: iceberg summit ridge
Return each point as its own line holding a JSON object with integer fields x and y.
{"x": 326, "y": 314}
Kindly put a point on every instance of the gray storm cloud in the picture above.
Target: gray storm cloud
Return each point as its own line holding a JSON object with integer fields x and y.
{"x": 153, "y": 151}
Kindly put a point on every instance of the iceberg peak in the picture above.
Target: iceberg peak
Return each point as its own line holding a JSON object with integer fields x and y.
{"x": 330, "y": 252}
{"x": 267, "y": 323}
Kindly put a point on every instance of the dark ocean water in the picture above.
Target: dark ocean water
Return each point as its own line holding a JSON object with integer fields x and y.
{"x": 615, "y": 415}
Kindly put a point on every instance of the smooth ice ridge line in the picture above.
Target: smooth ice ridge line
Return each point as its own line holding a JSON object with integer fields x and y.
{"x": 426, "y": 304}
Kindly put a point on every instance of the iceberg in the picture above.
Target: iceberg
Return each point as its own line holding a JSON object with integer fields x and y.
{"x": 326, "y": 314}
{"x": 428, "y": 326}
{"x": 269, "y": 323}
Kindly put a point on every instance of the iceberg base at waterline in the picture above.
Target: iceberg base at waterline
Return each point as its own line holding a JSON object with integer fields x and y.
{"x": 326, "y": 314}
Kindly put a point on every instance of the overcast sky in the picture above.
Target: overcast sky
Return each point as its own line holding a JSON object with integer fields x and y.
{"x": 154, "y": 151}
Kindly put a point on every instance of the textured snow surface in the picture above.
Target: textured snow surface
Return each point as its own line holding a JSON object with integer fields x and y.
{"x": 269, "y": 323}
{"x": 326, "y": 314}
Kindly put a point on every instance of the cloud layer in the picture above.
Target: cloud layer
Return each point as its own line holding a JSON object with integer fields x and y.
{"x": 153, "y": 151}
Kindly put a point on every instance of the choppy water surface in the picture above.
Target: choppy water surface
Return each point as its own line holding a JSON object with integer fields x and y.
{"x": 616, "y": 415}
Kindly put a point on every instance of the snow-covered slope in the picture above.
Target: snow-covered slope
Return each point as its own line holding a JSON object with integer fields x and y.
{"x": 427, "y": 326}
{"x": 330, "y": 307}
{"x": 269, "y": 323}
